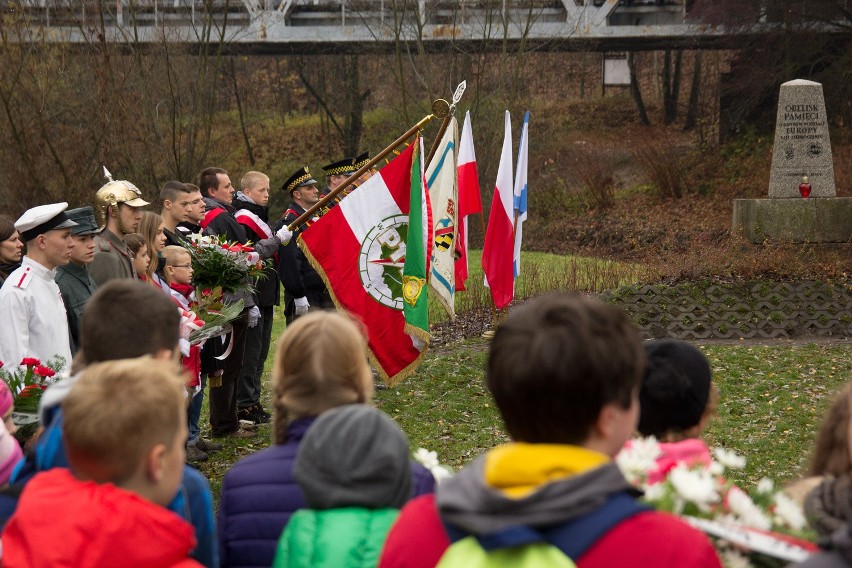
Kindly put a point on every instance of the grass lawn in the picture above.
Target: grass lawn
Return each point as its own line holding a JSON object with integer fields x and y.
{"x": 773, "y": 397}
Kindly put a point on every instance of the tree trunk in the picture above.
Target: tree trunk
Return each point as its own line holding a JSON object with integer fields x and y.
{"x": 354, "y": 107}
{"x": 694, "y": 94}
{"x": 243, "y": 125}
{"x": 635, "y": 91}
{"x": 671, "y": 85}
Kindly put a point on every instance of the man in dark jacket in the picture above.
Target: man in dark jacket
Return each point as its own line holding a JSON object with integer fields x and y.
{"x": 303, "y": 287}
{"x": 175, "y": 200}
{"x": 74, "y": 281}
{"x": 253, "y": 214}
{"x": 215, "y": 185}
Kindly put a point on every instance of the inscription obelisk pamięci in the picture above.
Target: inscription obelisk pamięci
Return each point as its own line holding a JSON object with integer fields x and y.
{"x": 802, "y": 146}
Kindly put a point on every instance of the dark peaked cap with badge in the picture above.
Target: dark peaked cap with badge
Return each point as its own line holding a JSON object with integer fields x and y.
{"x": 361, "y": 160}
{"x": 340, "y": 167}
{"x": 85, "y": 219}
{"x": 300, "y": 178}
{"x": 41, "y": 219}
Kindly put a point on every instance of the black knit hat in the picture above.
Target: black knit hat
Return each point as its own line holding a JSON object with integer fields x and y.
{"x": 675, "y": 389}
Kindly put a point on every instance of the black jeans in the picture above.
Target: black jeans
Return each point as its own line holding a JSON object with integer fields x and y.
{"x": 257, "y": 349}
{"x": 223, "y": 399}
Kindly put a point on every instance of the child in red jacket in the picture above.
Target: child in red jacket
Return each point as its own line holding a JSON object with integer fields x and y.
{"x": 124, "y": 430}
{"x": 564, "y": 372}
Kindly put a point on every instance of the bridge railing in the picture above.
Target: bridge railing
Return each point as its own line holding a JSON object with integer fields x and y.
{"x": 60, "y": 13}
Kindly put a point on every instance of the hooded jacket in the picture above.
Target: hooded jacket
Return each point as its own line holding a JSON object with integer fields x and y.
{"x": 518, "y": 487}
{"x": 91, "y": 524}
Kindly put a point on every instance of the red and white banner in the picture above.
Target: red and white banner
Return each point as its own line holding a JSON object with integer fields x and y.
{"x": 359, "y": 249}
{"x": 497, "y": 253}
{"x": 469, "y": 198}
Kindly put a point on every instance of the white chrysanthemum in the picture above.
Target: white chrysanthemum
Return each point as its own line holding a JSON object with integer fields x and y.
{"x": 732, "y": 558}
{"x": 788, "y": 512}
{"x": 641, "y": 457}
{"x": 765, "y": 485}
{"x": 427, "y": 459}
{"x": 746, "y": 511}
{"x": 440, "y": 473}
{"x": 729, "y": 459}
{"x": 656, "y": 492}
{"x": 694, "y": 485}
{"x": 716, "y": 468}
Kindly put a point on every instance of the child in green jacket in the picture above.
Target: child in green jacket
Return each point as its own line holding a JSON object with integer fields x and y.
{"x": 353, "y": 466}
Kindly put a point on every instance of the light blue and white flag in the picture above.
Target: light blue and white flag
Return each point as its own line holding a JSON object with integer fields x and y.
{"x": 520, "y": 192}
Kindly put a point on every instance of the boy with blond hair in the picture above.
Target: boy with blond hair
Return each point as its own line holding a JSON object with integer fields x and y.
{"x": 111, "y": 510}
{"x": 110, "y": 331}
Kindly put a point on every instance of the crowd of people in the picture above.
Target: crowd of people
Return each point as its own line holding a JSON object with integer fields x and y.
{"x": 106, "y": 481}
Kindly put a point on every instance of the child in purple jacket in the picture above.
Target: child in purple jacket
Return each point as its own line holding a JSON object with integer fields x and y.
{"x": 320, "y": 364}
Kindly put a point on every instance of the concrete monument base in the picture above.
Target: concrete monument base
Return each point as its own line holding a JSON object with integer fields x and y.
{"x": 795, "y": 220}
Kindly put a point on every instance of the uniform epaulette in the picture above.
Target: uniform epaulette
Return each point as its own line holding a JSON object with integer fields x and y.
{"x": 24, "y": 279}
{"x": 103, "y": 244}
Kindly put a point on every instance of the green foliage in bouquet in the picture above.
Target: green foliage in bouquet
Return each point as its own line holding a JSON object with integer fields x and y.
{"x": 221, "y": 264}
{"x": 216, "y": 322}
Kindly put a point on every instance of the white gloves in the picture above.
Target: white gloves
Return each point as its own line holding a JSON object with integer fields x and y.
{"x": 302, "y": 306}
{"x": 284, "y": 235}
{"x": 253, "y": 316}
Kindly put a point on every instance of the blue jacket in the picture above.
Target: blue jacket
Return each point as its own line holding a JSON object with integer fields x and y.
{"x": 194, "y": 501}
{"x": 259, "y": 495}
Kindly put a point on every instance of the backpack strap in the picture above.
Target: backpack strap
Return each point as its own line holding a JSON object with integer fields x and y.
{"x": 576, "y": 537}
{"x": 573, "y": 538}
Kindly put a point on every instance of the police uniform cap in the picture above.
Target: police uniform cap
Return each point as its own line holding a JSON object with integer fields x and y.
{"x": 41, "y": 219}
{"x": 345, "y": 166}
{"x": 85, "y": 219}
{"x": 300, "y": 178}
{"x": 362, "y": 160}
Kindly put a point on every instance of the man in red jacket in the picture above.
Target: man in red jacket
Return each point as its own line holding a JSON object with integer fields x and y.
{"x": 564, "y": 371}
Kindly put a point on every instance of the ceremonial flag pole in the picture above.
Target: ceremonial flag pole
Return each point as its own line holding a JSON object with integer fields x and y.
{"x": 440, "y": 109}
{"x": 457, "y": 95}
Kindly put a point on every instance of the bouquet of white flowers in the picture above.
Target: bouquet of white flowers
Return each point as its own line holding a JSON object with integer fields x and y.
{"x": 765, "y": 528}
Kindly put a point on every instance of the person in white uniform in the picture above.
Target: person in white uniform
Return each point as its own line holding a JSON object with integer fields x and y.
{"x": 34, "y": 320}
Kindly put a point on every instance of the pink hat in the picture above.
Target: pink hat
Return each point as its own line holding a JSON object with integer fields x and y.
{"x": 6, "y": 399}
{"x": 10, "y": 454}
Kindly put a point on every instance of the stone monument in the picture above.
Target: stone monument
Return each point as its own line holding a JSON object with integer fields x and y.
{"x": 802, "y": 147}
{"x": 803, "y": 205}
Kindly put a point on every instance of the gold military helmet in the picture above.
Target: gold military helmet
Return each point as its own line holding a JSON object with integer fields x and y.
{"x": 115, "y": 192}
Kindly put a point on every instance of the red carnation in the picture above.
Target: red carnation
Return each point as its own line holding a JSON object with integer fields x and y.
{"x": 30, "y": 362}
{"x": 42, "y": 371}
{"x": 1, "y": 364}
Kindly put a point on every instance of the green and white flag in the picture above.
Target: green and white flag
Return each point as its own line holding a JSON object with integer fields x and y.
{"x": 418, "y": 250}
